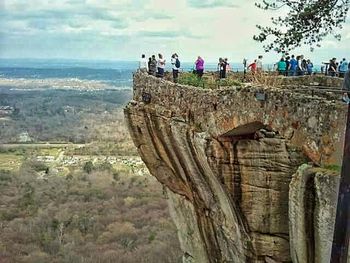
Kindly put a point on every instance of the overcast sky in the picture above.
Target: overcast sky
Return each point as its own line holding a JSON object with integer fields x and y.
{"x": 123, "y": 29}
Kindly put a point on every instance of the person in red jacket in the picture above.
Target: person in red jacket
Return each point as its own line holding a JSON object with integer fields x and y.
{"x": 253, "y": 67}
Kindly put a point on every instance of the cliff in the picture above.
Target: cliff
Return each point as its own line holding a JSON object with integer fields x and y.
{"x": 227, "y": 157}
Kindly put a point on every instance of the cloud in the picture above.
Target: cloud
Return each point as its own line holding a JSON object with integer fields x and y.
{"x": 161, "y": 16}
{"x": 211, "y": 3}
{"x": 41, "y": 24}
{"x": 169, "y": 34}
{"x": 146, "y": 15}
{"x": 120, "y": 29}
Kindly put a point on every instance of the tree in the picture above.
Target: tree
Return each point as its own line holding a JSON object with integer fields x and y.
{"x": 88, "y": 167}
{"x": 307, "y": 22}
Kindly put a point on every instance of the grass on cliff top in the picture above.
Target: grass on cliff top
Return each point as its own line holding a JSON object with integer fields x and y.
{"x": 207, "y": 81}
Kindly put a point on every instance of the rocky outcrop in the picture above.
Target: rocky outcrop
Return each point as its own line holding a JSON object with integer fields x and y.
{"x": 312, "y": 210}
{"x": 227, "y": 157}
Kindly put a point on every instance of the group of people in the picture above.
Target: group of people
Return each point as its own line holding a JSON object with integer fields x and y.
{"x": 156, "y": 67}
{"x": 286, "y": 66}
{"x": 299, "y": 66}
{"x": 223, "y": 67}
{"x": 333, "y": 68}
{"x": 295, "y": 66}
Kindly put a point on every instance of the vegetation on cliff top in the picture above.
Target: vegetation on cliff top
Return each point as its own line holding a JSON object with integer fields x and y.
{"x": 209, "y": 81}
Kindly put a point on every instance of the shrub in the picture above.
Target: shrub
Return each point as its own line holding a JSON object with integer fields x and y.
{"x": 191, "y": 79}
{"x": 210, "y": 81}
{"x": 88, "y": 167}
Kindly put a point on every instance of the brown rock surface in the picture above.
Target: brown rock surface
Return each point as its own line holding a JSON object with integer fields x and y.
{"x": 227, "y": 159}
{"x": 312, "y": 210}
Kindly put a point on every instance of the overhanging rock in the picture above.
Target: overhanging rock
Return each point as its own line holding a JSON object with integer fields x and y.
{"x": 228, "y": 158}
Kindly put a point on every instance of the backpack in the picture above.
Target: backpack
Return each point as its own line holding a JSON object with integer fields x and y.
{"x": 177, "y": 63}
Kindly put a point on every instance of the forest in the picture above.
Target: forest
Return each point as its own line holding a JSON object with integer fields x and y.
{"x": 94, "y": 210}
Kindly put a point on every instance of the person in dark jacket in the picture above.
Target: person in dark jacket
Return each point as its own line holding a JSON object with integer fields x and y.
{"x": 149, "y": 64}
{"x": 287, "y": 65}
{"x": 332, "y": 68}
{"x": 152, "y": 70}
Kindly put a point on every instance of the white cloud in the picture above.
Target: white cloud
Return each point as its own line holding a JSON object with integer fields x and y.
{"x": 122, "y": 29}
{"x": 211, "y": 3}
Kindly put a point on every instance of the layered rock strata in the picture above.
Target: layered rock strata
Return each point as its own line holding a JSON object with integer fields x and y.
{"x": 226, "y": 158}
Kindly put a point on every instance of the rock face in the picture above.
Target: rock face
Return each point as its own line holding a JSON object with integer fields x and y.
{"x": 312, "y": 210}
{"x": 226, "y": 158}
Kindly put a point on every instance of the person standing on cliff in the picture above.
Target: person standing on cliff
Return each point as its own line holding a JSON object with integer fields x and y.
{"x": 252, "y": 67}
{"x": 149, "y": 64}
{"x": 309, "y": 67}
{"x": 143, "y": 64}
{"x": 199, "y": 66}
{"x": 293, "y": 64}
{"x": 228, "y": 66}
{"x": 220, "y": 68}
{"x": 332, "y": 68}
{"x": 343, "y": 68}
{"x": 160, "y": 66}
{"x": 153, "y": 66}
{"x": 259, "y": 64}
{"x": 287, "y": 65}
{"x": 300, "y": 70}
{"x": 175, "y": 62}
{"x": 281, "y": 67}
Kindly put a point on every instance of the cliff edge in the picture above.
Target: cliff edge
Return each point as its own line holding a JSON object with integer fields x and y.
{"x": 233, "y": 163}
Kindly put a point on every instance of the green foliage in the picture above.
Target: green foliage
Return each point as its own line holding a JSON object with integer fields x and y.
{"x": 333, "y": 167}
{"x": 152, "y": 237}
{"x": 306, "y": 22}
{"x": 229, "y": 82}
{"x": 88, "y": 167}
{"x": 210, "y": 81}
{"x": 5, "y": 176}
{"x": 105, "y": 166}
{"x": 190, "y": 79}
{"x": 38, "y": 166}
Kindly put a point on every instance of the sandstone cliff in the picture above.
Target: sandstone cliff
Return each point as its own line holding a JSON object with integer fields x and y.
{"x": 227, "y": 158}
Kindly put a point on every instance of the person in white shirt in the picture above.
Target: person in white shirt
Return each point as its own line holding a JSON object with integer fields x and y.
{"x": 143, "y": 63}
{"x": 175, "y": 62}
{"x": 160, "y": 66}
{"x": 259, "y": 64}
{"x": 300, "y": 70}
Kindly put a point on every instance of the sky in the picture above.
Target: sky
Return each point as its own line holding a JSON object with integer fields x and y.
{"x": 124, "y": 29}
